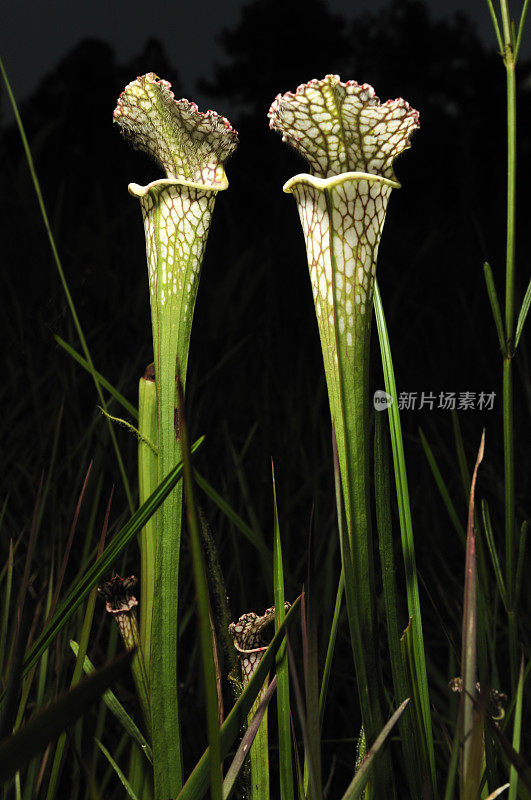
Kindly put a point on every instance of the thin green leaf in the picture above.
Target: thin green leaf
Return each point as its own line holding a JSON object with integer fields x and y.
{"x": 6, "y": 605}
{"x": 451, "y": 774}
{"x": 91, "y": 577}
{"x": 361, "y": 778}
{"x": 495, "y": 306}
{"x": 521, "y": 24}
{"x": 522, "y": 767}
{"x": 406, "y": 532}
{"x": 525, "y": 304}
{"x": 197, "y": 784}
{"x": 315, "y": 792}
{"x": 59, "y": 266}
{"x": 107, "y": 385}
{"x": 21, "y": 747}
{"x": 517, "y": 731}
{"x": 80, "y": 655}
{"x": 330, "y": 649}
{"x": 243, "y": 750}
{"x": 520, "y": 563}
{"x": 439, "y": 480}
{"x": 116, "y": 708}
{"x": 461, "y": 456}
{"x": 208, "y": 654}
{"x": 493, "y": 552}
{"x": 309, "y": 625}
{"x": 254, "y": 537}
{"x": 282, "y": 667}
{"x": 382, "y": 491}
{"x": 127, "y": 786}
{"x": 495, "y": 25}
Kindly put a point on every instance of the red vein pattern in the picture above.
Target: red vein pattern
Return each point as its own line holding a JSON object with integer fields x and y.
{"x": 342, "y": 127}
{"x": 188, "y": 144}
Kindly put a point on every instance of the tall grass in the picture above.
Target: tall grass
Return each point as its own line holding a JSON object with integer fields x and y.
{"x": 380, "y": 724}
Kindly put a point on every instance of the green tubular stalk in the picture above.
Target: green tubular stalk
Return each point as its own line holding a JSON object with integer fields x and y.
{"x": 350, "y": 142}
{"x": 508, "y": 421}
{"x": 191, "y": 148}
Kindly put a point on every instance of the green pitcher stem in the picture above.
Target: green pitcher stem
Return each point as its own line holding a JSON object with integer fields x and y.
{"x": 191, "y": 147}
{"x": 342, "y": 219}
{"x": 176, "y": 221}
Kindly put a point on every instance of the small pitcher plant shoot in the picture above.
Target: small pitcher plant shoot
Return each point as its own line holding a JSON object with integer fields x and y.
{"x": 247, "y": 637}
{"x": 191, "y": 147}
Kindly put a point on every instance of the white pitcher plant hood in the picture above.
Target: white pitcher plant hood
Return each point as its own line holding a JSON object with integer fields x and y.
{"x": 350, "y": 141}
{"x": 191, "y": 147}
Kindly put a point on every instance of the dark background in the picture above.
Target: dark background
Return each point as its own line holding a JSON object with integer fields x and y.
{"x": 256, "y": 383}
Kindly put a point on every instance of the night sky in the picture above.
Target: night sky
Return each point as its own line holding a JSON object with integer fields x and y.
{"x": 35, "y": 36}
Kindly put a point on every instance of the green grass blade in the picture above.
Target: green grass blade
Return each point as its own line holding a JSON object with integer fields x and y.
{"x": 309, "y": 625}
{"x": 521, "y": 24}
{"x": 208, "y": 655}
{"x": 254, "y": 537}
{"x": 382, "y": 489}
{"x": 330, "y": 649}
{"x": 107, "y": 385}
{"x": 515, "y": 759}
{"x": 6, "y": 604}
{"x": 282, "y": 667}
{"x": 62, "y": 276}
{"x": 461, "y": 455}
{"x": 445, "y": 495}
{"x": 520, "y": 563}
{"x": 78, "y": 669}
{"x": 495, "y": 306}
{"x": 517, "y": 731}
{"x": 451, "y": 775}
{"x": 245, "y": 745}
{"x": 522, "y": 315}
{"x": 21, "y": 747}
{"x": 493, "y": 552}
{"x": 363, "y": 775}
{"x": 127, "y": 786}
{"x": 91, "y": 577}
{"x": 197, "y": 784}
{"x": 495, "y": 25}
{"x": 116, "y": 708}
{"x": 315, "y": 792}
{"x": 406, "y": 530}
